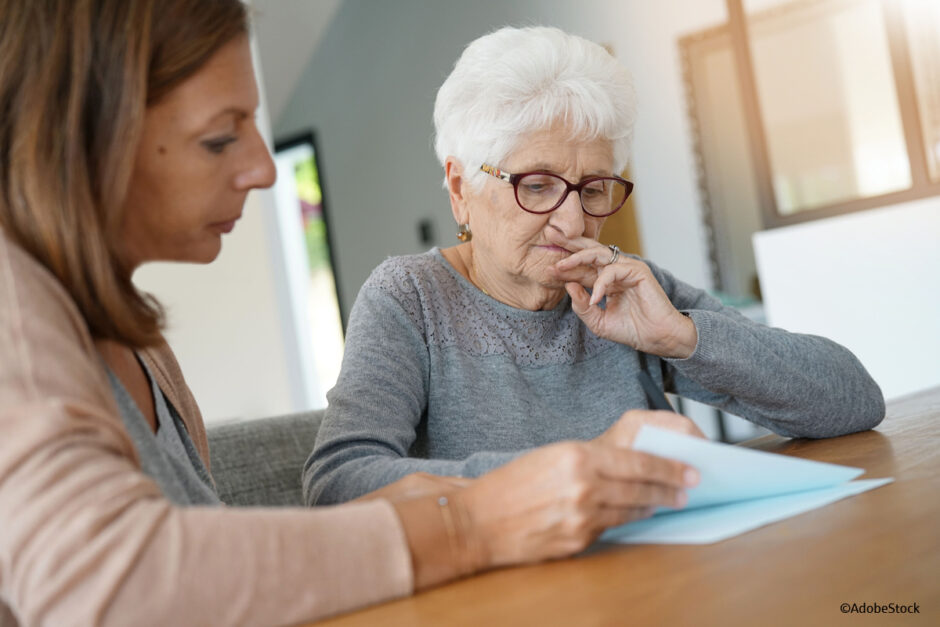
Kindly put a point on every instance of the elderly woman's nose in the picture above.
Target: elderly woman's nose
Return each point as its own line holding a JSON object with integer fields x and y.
{"x": 569, "y": 217}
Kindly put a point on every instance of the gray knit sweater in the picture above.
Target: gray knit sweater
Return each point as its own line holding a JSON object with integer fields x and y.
{"x": 439, "y": 377}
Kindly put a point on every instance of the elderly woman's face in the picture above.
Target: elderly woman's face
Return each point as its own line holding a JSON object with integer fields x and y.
{"x": 512, "y": 245}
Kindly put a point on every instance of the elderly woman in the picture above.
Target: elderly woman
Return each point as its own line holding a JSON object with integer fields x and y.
{"x": 530, "y": 331}
{"x": 129, "y": 136}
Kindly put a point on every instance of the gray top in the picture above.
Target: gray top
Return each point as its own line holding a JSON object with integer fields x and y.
{"x": 168, "y": 456}
{"x": 439, "y": 377}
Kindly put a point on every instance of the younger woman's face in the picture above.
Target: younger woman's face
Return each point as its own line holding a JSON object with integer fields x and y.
{"x": 199, "y": 156}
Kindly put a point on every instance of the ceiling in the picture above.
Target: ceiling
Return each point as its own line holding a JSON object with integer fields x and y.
{"x": 288, "y": 33}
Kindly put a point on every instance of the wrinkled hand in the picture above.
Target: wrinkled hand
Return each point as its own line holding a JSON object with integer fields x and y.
{"x": 557, "y": 499}
{"x": 637, "y": 312}
{"x": 622, "y": 433}
{"x": 416, "y": 485}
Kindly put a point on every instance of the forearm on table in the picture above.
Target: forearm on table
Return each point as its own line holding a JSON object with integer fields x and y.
{"x": 94, "y": 542}
{"x": 269, "y": 566}
{"x": 797, "y": 385}
{"x": 328, "y": 480}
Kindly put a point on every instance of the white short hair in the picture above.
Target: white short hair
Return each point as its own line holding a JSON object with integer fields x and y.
{"x": 515, "y": 81}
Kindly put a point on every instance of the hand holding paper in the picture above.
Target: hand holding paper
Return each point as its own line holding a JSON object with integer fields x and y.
{"x": 740, "y": 489}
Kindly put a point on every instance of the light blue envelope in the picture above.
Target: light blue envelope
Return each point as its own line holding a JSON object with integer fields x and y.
{"x": 740, "y": 489}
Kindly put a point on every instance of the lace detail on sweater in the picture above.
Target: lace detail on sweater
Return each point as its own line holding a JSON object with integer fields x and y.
{"x": 450, "y": 312}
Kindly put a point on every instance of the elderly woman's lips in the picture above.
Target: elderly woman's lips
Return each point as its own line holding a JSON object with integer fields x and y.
{"x": 557, "y": 249}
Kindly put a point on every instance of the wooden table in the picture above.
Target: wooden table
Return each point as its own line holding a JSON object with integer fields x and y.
{"x": 881, "y": 546}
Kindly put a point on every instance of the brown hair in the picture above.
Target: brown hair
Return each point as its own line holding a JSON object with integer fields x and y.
{"x": 75, "y": 81}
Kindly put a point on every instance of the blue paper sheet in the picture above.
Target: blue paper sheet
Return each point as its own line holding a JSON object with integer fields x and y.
{"x": 741, "y": 489}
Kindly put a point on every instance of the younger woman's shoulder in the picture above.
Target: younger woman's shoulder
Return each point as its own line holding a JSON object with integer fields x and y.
{"x": 53, "y": 353}
{"x": 30, "y": 294}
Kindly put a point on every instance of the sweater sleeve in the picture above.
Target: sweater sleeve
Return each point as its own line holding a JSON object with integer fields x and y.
{"x": 376, "y": 407}
{"x": 796, "y": 385}
{"x": 87, "y": 538}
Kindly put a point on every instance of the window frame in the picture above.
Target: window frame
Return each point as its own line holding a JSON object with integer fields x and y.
{"x": 905, "y": 89}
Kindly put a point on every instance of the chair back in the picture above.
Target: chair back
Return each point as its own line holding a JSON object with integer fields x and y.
{"x": 259, "y": 462}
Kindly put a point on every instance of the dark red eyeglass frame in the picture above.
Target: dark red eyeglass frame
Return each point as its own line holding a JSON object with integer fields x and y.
{"x": 514, "y": 179}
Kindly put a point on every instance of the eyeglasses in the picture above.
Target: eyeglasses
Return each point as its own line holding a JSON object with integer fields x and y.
{"x": 542, "y": 192}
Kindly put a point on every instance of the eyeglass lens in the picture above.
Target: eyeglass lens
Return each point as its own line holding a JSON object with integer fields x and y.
{"x": 541, "y": 192}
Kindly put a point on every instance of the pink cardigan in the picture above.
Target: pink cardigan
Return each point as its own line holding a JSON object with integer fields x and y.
{"x": 86, "y": 538}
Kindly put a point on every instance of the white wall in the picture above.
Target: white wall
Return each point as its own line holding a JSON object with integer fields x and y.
{"x": 369, "y": 93}
{"x": 224, "y": 324}
{"x": 870, "y": 281}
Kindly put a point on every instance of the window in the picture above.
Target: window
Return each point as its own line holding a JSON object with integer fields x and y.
{"x": 805, "y": 109}
{"x": 825, "y": 91}
{"x": 310, "y": 267}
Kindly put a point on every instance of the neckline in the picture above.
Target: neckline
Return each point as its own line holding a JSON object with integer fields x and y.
{"x": 161, "y": 407}
{"x": 559, "y": 310}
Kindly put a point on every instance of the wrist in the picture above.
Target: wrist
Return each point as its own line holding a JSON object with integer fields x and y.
{"x": 442, "y": 538}
{"x": 685, "y": 340}
{"x": 431, "y": 560}
{"x": 474, "y": 553}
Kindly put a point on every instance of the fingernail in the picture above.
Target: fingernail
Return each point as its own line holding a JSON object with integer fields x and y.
{"x": 681, "y": 499}
{"x": 691, "y": 477}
